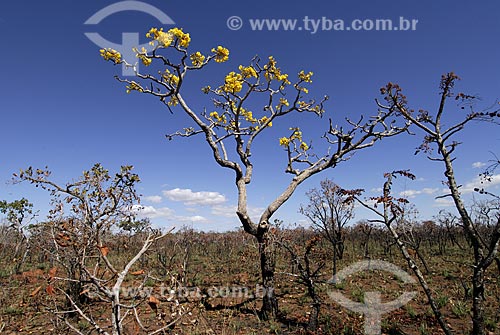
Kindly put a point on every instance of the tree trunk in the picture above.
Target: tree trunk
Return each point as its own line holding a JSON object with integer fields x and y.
{"x": 313, "y": 318}
{"x": 267, "y": 253}
{"x": 316, "y": 305}
{"x": 478, "y": 301}
{"x": 334, "y": 260}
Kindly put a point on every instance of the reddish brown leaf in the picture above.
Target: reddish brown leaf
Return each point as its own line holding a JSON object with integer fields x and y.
{"x": 104, "y": 250}
{"x": 50, "y": 290}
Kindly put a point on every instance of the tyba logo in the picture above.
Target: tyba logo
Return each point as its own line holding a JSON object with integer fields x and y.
{"x": 372, "y": 307}
{"x": 129, "y": 40}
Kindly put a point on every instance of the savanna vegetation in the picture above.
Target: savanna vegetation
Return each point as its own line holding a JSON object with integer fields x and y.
{"x": 93, "y": 266}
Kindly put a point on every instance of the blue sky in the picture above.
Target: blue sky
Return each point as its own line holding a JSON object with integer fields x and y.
{"x": 61, "y": 107}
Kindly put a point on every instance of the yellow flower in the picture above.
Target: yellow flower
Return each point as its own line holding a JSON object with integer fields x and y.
{"x": 221, "y": 54}
{"x": 304, "y": 146}
{"x": 303, "y": 104}
{"x": 173, "y": 101}
{"x": 284, "y": 141}
{"x": 264, "y": 119}
{"x": 272, "y": 72}
{"x": 197, "y": 59}
{"x": 163, "y": 38}
{"x": 219, "y": 118}
{"x": 111, "y": 54}
{"x": 206, "y": 89}
{"x": 248, "y": 71}
{"x": 233, "y": 82}
{"x": 183, "y": 37}
{"x": 143, "y": 56}
{"x": 297, "y": 134}
{"x": 133, "y": 86}
{"x": 283, "y": 102}
{"x": 153, "y": 32}
{"x": 145, "y": 60}
{"x": 305, "y": 77}
{"x": 248, "y": 115}
{"x": 170, "y": 78}
{"x": 283, "y": 78}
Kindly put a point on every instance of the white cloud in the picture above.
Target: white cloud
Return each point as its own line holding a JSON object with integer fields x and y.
{"x": 193, "y": 219}
{"x": 376, "y": 190}
{"x": 230, "y": 211}
{"x": 469, "y": 187}
{"x": 165, "y": 212}
{"x": 152, "y": 212}
{"x": 443, "y": 202}
{"x": 478, "y": 182}
{"x": 225, "y": 211}
{"x": 478, "y": 165}
{"x": 190, "y": 198}
{"x": 413, "y": 193}
{"x": 155, "y": 199}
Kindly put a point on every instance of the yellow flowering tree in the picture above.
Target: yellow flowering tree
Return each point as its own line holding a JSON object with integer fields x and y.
{"x": 232, "y": 127}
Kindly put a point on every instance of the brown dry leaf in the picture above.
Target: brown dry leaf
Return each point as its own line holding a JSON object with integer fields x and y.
{"x": 104, "y": 250}
{"x": 84, "y": 291}
{"x": 153, "y": 302}
{"x": 137, "y": 273}
{"x": 50, "y": 290}
{"x": 35, "y": 291}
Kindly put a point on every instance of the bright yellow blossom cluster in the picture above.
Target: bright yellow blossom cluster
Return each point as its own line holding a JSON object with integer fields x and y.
{"x": 284, "y": 141}
{"x": 305, "y": 76}
{"x": 273, "y": 72}
{"x": 111, "y": 54}
{"x": 197, "y": 59}
{"x": 233, "y": 83}
{"x": 133, "y": 86}
{"x": 184, "y": 38}
{"x": 248, "y": 115}
{"x": 173, "y": 101}
{"x": 296, "y": 135}
{"x": 219, "y": 118}
{"x": 143, "y": 56}
{"x": 221, "y": 54}
{"x": 283, "y": 102}
{"x": 303, "y": 104}
{"x": 170, "y": 78}
{"x": 263, "y": 120}
{"x": 164, "y": 39}
{"x": 247, "y": 71}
